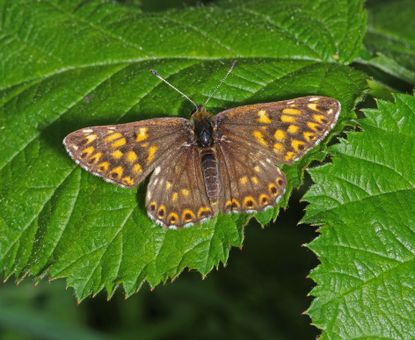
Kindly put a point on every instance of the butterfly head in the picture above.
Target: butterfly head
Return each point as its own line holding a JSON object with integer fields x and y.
{"x": 203, "y": 127}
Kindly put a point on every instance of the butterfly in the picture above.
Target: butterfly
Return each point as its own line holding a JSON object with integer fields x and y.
{"x": 209, "y": 164}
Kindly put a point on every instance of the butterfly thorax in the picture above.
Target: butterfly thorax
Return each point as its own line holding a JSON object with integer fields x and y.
{"x": 204, "y": 135}
{"x": 203, "y": 127}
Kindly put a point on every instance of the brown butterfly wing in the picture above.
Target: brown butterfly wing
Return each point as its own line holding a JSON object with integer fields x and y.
{"x": 250, "y": 181}
{"x": 286, "y": 129}
{"x": 176, "y": 194}
{"x": 126, "y": 153}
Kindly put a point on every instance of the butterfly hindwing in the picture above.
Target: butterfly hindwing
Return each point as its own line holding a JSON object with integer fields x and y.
{"x": 176, "y": 193}
{"x": 250, "y": 181}
{"x": 286, "y": 129}
{"x": 126, "y": 153}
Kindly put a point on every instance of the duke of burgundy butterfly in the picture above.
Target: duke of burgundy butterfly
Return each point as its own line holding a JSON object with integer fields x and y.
{"x": 208, "y": 164}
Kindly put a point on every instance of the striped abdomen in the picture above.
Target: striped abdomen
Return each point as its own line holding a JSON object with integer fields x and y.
{"x": 210, "y": 173}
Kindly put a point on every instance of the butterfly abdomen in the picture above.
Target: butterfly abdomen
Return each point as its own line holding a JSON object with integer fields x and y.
{"x": 210, "y": 173}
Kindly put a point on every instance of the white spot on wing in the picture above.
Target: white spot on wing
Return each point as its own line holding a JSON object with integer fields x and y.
{"x": 87, "y": 130}
{"x": 313, "y": 99}
{"x": 157, "y": 170}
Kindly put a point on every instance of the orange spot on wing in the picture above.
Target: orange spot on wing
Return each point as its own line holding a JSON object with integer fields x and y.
{"x": 243, "y": 180}
{"x": 185, "y": 192}
{"x": 291, "y": 111}
{"x": 117, "y": 172}
{"x": 131, "y": 156}
{"x": 102, "y": 167}
{"x": 113, "y": 136}
{"x": 293, "y": 129}
{"x": 315, "y": 126}
{"x": 90, "y": 139}
{"x": 309, "y": 136}
{"x": 320, "y": 118}
{"x": 259, "y": 137}
{"x": 203, "y": 212}
{"x": 188, "y": 216}
{"x": 264, "y": 199}
{"x": 173, "y": 218}
{"x": 152, "y": 206}
{"x": 142, "y": 134}
{"x": 151, "y": 151}
{"x": 127, "y": 180}
{"x": 273, "y": 189}
{"x": 161, "y": 212}
{"x": 118, "y": 143}
{"x": 263, "y": 117}
{"x": 313, "y": 107}
{"x": 117, "y": 154}
{"x": 95, "y": 158}
{"x": 249, "y": 202}
{"x": 289, "y": 156}
{"x": 288, "y": 119}
{"x": 137, "y": 169}
{"x": 298, "y": 145}
{"x": 87, "y": 151}
{"x": 279, "y": 135}
{"x": 279, "y": 148}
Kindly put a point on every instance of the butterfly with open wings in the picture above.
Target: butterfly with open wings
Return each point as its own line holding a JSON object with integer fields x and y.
{"x": 208, "y": 164}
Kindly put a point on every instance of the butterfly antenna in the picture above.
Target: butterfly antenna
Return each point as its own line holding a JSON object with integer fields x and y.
{"x": 221, "y": 82}
{"x": 155, "y": 73}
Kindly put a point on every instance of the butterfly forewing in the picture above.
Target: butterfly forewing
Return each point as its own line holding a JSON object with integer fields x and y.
{"x": 176, "y": 194}
{"x": 287, "y": 129}
{"x": 126, "y": 153}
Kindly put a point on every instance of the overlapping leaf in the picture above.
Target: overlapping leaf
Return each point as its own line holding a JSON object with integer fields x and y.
{"x": 69, "y": 64}
{"x": 365, "y": 202}
{"x": 391, "y": 38}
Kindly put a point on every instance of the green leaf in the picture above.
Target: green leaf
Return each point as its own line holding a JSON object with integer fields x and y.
{"x": 390, "y": 38}
{"x": 365, "y": 201}
{"x": 70, "y": 64}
